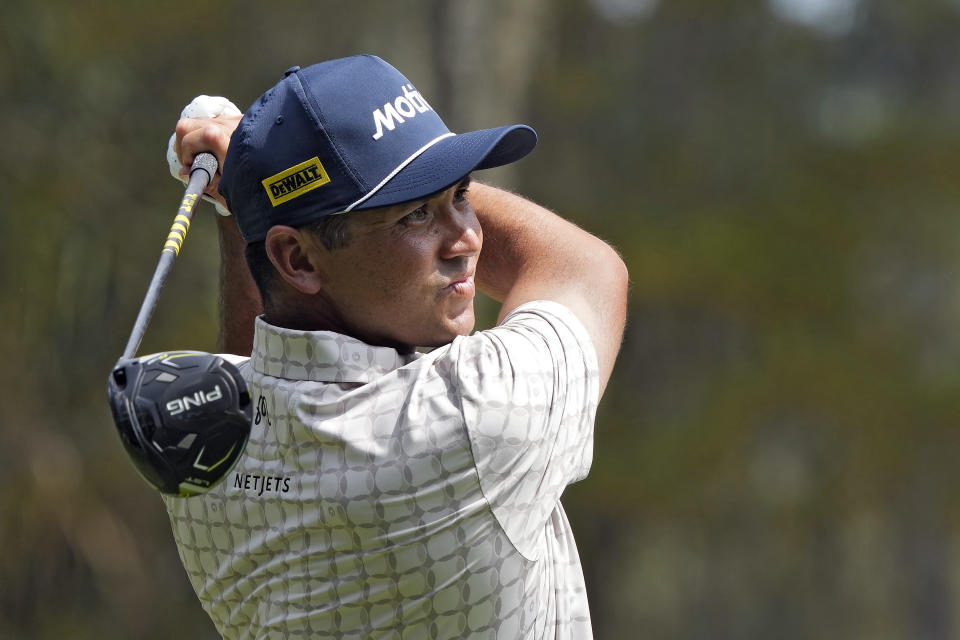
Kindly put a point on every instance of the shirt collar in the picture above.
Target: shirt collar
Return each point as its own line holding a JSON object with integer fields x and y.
{"x": 320, "y": 356}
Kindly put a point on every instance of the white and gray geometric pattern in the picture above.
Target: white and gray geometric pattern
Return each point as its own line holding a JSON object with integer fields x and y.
{"x": 390, "y": 496}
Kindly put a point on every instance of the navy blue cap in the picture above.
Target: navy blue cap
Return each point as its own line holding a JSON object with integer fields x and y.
{"x": 348, "y": 135}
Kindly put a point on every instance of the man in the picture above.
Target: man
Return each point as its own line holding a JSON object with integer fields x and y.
{"x": 386, "y": 493}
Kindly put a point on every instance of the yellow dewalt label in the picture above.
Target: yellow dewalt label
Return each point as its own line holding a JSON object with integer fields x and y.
{"x": 296, "y": 181}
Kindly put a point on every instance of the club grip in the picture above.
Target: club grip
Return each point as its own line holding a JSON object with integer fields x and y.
{"x": 205, "y": 162}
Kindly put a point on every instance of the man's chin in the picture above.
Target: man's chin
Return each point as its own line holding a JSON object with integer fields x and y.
{"x": 440, "y": 341}
{"x": 461, "y": 325}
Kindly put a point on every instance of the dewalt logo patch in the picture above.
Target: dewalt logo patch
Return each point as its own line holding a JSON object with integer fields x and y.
{"x": 296, "y": 181}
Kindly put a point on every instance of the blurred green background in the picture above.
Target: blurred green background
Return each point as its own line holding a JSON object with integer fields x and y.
{"x": 775, "y": 456}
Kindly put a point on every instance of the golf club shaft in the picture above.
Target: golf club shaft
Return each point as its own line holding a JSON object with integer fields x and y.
{"x": 201, "y": 172}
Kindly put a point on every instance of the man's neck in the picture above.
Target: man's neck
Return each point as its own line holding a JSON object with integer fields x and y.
{"x": 311, "y": 314}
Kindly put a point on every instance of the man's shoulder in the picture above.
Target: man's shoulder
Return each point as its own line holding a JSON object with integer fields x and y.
{"x": 540, "y": 351}
{"x": 547, "y": 311}
{"x": 534, "y": 329}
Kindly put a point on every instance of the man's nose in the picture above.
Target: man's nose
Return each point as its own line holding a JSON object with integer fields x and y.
{"x": 462, "y": 235}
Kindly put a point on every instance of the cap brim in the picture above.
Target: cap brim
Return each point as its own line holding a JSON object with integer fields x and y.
{"x": 452, "y": 158}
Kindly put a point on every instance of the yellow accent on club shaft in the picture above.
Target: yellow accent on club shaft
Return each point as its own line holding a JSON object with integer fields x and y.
{"x": 187, "y": 203}
{"x": 178, "y": 231}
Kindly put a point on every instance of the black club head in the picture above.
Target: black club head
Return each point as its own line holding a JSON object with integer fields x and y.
{"x": 183, "y": 417}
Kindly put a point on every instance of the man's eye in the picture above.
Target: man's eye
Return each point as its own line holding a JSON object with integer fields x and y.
{"x": 460, "y": 195}
{"x": 417, "y": 215}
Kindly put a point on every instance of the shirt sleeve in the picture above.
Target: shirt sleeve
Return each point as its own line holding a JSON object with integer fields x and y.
{"x": 529, "y": 390}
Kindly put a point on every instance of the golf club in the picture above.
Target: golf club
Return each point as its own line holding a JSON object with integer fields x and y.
{"x": 183, "y": 416}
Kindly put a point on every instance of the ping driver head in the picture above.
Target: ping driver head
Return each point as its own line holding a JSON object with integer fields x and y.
{"x": 183, "y": 417}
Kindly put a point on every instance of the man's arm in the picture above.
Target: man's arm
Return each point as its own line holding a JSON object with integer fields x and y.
{"x": 531, "y": 254}
{"x": 240, "y": 301}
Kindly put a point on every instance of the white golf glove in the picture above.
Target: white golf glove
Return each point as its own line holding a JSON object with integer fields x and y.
{"x": 201, "y": 107}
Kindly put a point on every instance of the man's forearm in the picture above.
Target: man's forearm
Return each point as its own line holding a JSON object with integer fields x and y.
{"x": 239, "y": 299}
{"x": 531, "y": 254}
{"x": 502, "y": 217}
{"x": 525, "y": 244}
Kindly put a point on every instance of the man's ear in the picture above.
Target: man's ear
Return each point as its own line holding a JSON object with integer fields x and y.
{"x": 292, "y": 253}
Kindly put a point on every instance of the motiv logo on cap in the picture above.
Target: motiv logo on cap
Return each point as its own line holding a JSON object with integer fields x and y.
{"x": 407, "y": 105}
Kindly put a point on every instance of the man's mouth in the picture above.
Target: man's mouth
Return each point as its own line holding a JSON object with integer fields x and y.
{"x": 462, "y": 287}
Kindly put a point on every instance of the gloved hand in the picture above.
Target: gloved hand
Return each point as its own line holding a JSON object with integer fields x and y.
{"x": 201, "y": 107}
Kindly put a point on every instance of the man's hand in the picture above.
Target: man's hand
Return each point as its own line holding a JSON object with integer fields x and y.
{"x": 206, "y": 124}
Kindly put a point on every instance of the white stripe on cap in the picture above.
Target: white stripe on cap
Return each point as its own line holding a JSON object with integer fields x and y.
{"x": 390, "y": 175}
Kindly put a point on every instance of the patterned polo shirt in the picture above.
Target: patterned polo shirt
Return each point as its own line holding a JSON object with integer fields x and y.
{"x": 398, "y": 496}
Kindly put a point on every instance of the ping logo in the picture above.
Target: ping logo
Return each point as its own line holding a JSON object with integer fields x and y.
{"x": 200, "y": 398}
{"x": 296, "y": 181}
{"x": 406, "y": 106}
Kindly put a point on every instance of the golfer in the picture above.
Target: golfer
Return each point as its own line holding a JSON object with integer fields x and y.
{"x": 387, "y": 492}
